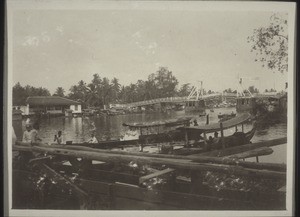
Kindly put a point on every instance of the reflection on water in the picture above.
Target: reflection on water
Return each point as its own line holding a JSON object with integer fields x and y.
{"x": 79, "y": 129}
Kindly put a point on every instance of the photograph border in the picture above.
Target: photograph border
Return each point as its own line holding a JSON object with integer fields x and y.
{"x": 139, "y": 5}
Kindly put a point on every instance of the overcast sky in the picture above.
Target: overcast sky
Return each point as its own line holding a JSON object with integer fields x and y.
{"x": 53, "y": 48}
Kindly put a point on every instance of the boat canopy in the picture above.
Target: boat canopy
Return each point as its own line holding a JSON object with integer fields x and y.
{"x": 167, "y": 123}
{"x": 239, "y": 119}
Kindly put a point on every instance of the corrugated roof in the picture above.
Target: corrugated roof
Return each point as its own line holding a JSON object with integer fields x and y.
{"x": 50, "y": 101}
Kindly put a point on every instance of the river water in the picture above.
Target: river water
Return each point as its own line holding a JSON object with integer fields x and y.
{"x": 79, "y": 129}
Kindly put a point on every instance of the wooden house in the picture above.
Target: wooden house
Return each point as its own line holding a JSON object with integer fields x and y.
{"x": 52, "y": 105}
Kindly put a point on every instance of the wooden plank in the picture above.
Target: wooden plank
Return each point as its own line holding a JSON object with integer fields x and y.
{"x": 155, "y": 174}
{"x": 252, "y": 153}
{"x": 40, "y": 159}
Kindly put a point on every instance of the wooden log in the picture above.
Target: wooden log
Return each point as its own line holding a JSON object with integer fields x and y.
{"x": 194, "y": 158}
{"x": 174, "y": 163}
{"x": 155, "y": 174}
{"x": 253, "y": 153}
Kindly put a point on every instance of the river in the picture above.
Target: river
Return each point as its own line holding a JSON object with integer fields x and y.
{"x": 79, "y": 129}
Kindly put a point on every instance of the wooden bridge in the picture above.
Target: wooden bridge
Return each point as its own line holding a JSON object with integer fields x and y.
{"x": 177, "y": 100}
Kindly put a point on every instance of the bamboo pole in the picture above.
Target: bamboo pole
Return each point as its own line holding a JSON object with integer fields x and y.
{"x": 183, "y": 164}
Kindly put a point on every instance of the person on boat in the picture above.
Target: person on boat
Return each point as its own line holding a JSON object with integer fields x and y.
{"x": 58, "y": 138}
{"x": 210, "y": 140}
{"x": 93, "y": 139}
{"x": 27, "y": 135}
{"x": 216, "y": 138}
{"x": 34, "y": 133}
{"x": 195, "y": 123}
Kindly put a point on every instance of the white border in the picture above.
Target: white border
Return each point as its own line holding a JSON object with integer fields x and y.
{"x": 289, "y": 7}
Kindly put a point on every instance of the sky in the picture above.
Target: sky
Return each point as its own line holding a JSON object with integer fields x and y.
{"x": 58, "y": 48}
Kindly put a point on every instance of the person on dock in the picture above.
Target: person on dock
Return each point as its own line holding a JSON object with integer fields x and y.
{"x": 93, "y": 139}
{"x": 58, "y": 138}
{"x": 34, "y": 133}
{"x": 27, "y": 135}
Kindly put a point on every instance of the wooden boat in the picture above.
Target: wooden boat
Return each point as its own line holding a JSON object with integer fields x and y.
{"x": 220, "y": 116}
{"x": 167, "y": 123}
{"x": 238, "y": 138}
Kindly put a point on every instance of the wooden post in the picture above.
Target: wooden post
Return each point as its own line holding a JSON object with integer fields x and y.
{"x": 236, "y": 129}
{"x": 205, "y": 141}
{"x": 242, "y": 127}
{"x": 207, "y": 119}
{"x": 222, "y": 135}
{"x": 257, "y": 159}
{"x": 186, "y": 138}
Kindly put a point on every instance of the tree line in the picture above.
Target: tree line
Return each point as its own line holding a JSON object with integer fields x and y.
{"x": 102, "y": 91}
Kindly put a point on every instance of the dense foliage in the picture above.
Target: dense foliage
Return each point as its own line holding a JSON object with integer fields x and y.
{"x": 20, "y": 93}
{"x": 270, "y": 44}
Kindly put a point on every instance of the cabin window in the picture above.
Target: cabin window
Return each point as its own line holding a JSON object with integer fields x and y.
{"x": 76, "y": 107}
{"x": 243, "y": 101}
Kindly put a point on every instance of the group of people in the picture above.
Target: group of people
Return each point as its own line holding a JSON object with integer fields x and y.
{"x": 31, "y": 135}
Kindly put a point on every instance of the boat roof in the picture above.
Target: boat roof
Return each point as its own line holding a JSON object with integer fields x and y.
{"x": 168, "y": 123}
{"x": 239, "y": 119}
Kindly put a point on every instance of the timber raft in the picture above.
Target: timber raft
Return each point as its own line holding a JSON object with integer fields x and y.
{"x": 78, "y": 177}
